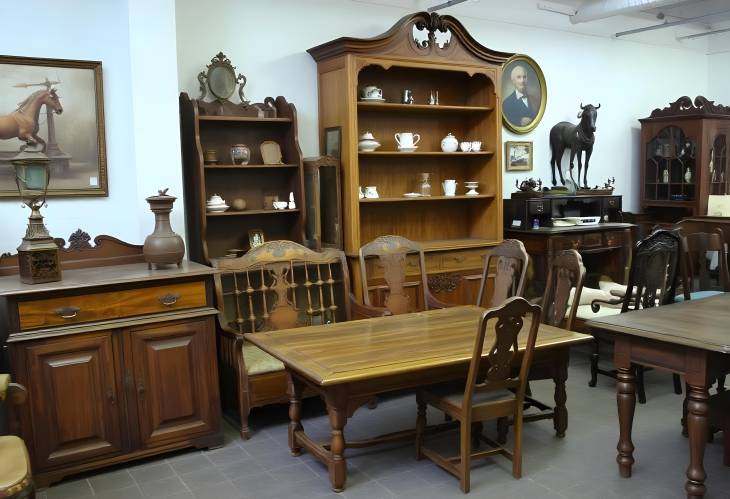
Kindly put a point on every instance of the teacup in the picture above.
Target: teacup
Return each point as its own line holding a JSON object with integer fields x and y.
{"x": 371, "y": 92}
{"x": 279, "y": 205}
{"x": 465, "y": 146}
{"x": 476, "y": 145}
{"x": 407, "y": 140}
{"x": 449, "y": 187}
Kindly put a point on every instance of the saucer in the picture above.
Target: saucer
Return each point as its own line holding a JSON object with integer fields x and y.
{"x": 412, "y": 195}
{"x": 372, "y": 99}
{"x": 218, "y": 208}
{"x": 407, "y": 149}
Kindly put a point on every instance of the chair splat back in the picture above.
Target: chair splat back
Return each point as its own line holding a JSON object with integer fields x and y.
{"x": 281, "y": 285}
{"x": 654, "y": 272}
{"x": 697, "y": 245}
{"x": 509, "y": 259}
{"x": 392, "y": 254}
{"x": 507, "y": 322}
{"x": 566, "y": 272}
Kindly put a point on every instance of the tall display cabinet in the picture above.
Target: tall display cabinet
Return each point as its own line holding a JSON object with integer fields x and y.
{"x": 684, "y": 158}
{"x": 424, "y": 53}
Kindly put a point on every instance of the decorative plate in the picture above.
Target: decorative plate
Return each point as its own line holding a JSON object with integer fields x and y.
{"x": 271, "y": 153}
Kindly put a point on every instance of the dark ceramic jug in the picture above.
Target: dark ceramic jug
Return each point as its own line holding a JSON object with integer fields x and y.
{"x": 163, "y": 246}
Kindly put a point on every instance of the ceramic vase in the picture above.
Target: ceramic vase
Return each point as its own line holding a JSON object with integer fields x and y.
{"x": 163, "y": 246}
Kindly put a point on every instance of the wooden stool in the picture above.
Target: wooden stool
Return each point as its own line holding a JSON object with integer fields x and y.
{"x": 720, "y": 420}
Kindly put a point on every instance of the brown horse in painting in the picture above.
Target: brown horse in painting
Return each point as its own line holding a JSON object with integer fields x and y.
{"x": 23, "y": 122}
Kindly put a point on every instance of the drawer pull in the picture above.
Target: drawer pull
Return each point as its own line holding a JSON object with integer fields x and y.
{"x": 169, "y": 299}
{"x": 68, "y": 312}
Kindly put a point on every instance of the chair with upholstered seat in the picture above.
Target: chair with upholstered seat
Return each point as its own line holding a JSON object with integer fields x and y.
{"x": 509, "y": 262}
{"x": 652, "y": 282}
{"x": 492, "y": 390}
{"x": 16, "y": 481}
{"x": 397, "y": 257}
{"x": 278, "y": 285}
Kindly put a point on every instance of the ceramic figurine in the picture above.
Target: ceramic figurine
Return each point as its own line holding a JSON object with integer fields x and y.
{"x": 292, "y": 204}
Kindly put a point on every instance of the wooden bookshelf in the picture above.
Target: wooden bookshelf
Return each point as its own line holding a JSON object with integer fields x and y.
{"x": 210, "y": 235}
{"x": 467, "y": 76}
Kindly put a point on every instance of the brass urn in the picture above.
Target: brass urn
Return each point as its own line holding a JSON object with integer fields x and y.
{"x": 163, "y": 246}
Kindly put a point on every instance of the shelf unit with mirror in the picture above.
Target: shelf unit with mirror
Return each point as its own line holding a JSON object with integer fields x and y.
{"x": 214, "y": 234}
{"x": 684, "y": 158}
{"x": 422, "y": 53}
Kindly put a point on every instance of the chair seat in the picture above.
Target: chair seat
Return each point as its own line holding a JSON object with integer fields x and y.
{"x": 259, "y": 362}
{"x": 698, "y": 295}
{"x": 14, "y": 466}
{"x": 453, "y": 394}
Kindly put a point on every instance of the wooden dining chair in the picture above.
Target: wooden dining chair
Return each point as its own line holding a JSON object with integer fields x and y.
{"x": 559, "y": 306}
{"x": 278, "y": 285}
{"x": 16, "y": 481}
{"x": 397, "y": 256}
{"x": 652, "y": 282}
{"x": 492, "y": 390}
{"x": 509, "y": 262}
{"x": 700, "y": 276}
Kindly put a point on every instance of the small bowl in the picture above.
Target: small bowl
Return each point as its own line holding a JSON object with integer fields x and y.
{"x": 279, "y": 205}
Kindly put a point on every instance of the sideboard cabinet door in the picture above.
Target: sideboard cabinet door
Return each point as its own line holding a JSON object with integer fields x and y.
{"x": 175, "y": 380}
{"x": 74, "y": 399}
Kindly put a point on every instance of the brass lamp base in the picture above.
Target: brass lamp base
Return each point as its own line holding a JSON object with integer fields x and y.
{"x": 39, "y": 261}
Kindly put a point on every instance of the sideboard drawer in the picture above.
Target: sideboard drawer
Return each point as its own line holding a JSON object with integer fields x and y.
{"x": 566, "y": 242}
{"x": 460, "y": 260}
{"x": 110, "y": 305}
{"x": 375, "y": 269}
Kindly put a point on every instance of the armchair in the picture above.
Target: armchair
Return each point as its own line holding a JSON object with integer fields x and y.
{"x": 16, "y": 481}
{"x": 278, "y": 285}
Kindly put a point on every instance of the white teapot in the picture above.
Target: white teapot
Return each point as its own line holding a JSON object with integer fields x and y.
{"x": 449, "y": 143}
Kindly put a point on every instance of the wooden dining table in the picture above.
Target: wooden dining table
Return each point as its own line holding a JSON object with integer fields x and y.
{"x": 349, "y": 363}
{"x": 690, "y": 338}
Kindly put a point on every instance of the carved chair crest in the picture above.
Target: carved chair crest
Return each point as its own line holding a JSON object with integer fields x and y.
{"x": 566, "y": 272}
{"x": 282, "y": 284}
{"x": 391, "y": 253}
{"x": 509, "y": 260}
{"x": 653, "y": 275}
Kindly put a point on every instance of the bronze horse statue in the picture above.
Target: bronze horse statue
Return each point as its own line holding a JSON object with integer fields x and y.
{"x": 23, "y": 122}
{"x": 578, "y": 138}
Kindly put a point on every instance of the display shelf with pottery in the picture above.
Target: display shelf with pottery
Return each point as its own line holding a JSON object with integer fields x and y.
{"x": 420, "y": 198}
{"x": 384, "y": 107}
{"x": 249, "y": 166}
{"x": 248, "y": 213}
{"x": 425, "y": 153}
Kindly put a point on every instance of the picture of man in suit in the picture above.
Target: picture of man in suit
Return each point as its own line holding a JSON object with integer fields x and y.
{"x": 518, "y": 107}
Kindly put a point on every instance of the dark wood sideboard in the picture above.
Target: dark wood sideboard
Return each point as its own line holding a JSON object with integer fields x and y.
{"x": 119, "y": 362}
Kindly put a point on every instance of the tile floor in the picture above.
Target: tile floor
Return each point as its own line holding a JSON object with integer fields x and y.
{"x": 582, "y": 465}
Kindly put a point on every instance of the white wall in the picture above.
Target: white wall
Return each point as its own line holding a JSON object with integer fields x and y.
{"x": 719, "y": 69}
{"x": 628, "y": 79}
{"x": 136, "y": 43}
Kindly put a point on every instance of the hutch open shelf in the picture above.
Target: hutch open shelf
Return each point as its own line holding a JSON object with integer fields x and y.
{"x": 424, "y": 53}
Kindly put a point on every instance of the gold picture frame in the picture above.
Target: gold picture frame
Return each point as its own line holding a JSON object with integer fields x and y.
{"x": 522, "y": 115}
{"x": 255, "y": 238}
{"x": 518, "y": 156}
{"x": 68, "y": 97}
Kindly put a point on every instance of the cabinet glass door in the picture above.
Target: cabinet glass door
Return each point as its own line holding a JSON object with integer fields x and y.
{"x": 718, "y": 166}
{"x": 670, "y": 166}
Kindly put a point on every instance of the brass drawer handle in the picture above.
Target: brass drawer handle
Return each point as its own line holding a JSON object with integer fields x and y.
{"x": 169, "y": 299}
{"x": 67, "y": 312}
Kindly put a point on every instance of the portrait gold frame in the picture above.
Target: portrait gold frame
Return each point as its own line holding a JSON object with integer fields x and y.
{"x": 508, "y": 147}
{"x": 543, "y": 94}
{"x": 102, "y": 187}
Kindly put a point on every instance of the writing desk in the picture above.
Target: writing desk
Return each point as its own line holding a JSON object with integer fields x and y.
{"x": 688, "y": 338}
{"x": 350, "y": 362}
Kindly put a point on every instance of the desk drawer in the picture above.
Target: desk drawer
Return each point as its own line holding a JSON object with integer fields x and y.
{"x": 110, "y": 305}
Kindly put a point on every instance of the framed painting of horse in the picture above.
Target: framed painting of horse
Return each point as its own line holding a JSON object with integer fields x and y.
{"x": 56, "y": 105}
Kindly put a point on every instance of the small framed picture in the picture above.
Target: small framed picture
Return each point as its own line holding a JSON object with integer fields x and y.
{"x": 332, "y": 141}
{"x": 518, "y": 156}
{"x": 255, "y": 238}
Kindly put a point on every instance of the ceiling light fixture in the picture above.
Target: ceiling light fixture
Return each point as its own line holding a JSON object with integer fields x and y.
{"x": 670, "y": 24}
{"x": 444, "y": 5}
{"x": 706, "y": 33}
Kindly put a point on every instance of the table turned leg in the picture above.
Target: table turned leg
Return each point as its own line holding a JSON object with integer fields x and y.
{"x": 336, "y": 463}
{"x": 295, "y": 413}
{"x": 697, "y": 425}
{"x": 560, "y": 415}
{"x": 626, "y": 399}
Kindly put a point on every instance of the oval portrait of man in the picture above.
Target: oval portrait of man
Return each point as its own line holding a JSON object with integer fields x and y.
{"x": 524, "y": 94}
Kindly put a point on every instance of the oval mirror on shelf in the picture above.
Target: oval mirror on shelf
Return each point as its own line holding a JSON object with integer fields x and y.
{"x": 221, "y": 79}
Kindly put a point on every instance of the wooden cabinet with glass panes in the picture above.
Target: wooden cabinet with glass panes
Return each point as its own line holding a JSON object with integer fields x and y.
{"x": 423, "y": 53}
{"x": 684, "y": 158}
